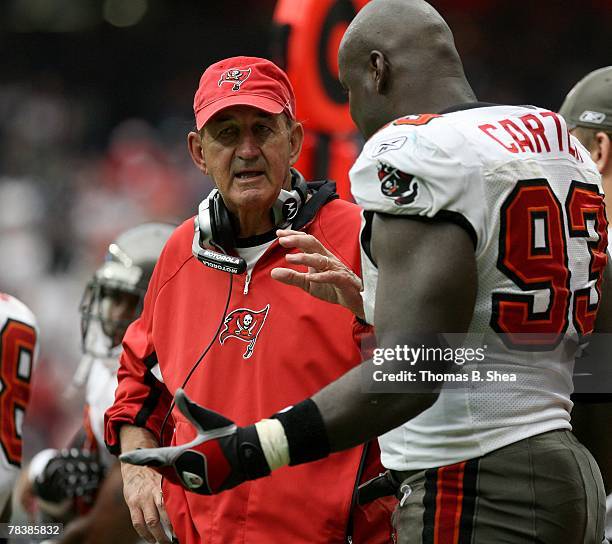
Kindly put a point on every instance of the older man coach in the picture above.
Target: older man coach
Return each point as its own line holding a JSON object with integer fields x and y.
{"x": 240, "y": 342}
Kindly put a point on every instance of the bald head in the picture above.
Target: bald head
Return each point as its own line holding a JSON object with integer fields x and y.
{"x": 398, "y": 57}
{"x": 393, "y": 23}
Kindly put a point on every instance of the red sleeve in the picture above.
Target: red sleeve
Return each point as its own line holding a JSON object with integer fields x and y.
{"x": 364, "y": 337}
{"x": 140, "y": 399}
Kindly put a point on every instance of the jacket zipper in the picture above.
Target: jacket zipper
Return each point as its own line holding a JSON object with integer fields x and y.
{"x": 247, "y": 280}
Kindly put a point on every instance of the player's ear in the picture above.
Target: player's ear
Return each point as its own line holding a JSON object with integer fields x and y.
{"x": 600, "y": 152}
{"x": 296, "y": 140}
{"x": 196, "y": 151}
{"x": 379, "y": 69}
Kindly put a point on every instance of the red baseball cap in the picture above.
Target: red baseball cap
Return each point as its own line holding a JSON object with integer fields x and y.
{"x": 243, "y": 81}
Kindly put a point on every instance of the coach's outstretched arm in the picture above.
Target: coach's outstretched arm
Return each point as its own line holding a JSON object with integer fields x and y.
{"x": 439, "y": 260}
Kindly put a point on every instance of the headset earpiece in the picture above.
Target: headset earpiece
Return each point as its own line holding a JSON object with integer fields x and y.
{"x": 221, "y": 227}
{"x": 289, "y": 203}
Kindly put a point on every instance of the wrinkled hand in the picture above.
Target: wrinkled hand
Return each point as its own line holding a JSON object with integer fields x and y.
{"x": 143, "y": 496}
{"x": 327, "y": 277}
{"x": 221, "y": 456}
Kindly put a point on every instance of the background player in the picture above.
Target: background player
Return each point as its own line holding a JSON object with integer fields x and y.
{"x": 18, "y": 351}
{"x": 587, "y": 110}
{"x": 483, "y": 245}
{"x": 83, "y": 483}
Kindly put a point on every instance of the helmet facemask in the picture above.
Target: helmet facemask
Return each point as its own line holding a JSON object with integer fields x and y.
{"x": 111, "y": 301}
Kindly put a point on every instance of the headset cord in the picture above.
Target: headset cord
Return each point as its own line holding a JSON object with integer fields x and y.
{"x": 200, "y": 358}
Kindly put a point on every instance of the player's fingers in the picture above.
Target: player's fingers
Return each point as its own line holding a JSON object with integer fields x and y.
{"x": 289, "y": 277}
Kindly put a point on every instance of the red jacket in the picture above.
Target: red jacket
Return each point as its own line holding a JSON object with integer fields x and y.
{"x": 292, "y": 345}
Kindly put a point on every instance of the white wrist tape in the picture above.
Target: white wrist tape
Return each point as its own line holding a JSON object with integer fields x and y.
{"x": 273, "y": 442}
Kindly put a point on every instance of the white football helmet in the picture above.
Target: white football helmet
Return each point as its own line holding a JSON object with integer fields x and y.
{"x": 113, "y": 297}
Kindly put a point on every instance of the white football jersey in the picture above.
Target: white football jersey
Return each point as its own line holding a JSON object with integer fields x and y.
{"x": 100, "y": 389}
{"x": 18, "y": 350}
{"x": 530, "y": 198}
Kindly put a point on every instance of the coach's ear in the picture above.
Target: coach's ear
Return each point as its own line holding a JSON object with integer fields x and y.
{"x": 196, "y": 151}
{"x": 296, "y": 139}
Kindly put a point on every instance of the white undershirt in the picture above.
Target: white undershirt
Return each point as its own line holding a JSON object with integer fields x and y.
{"x": 252, "y": 254}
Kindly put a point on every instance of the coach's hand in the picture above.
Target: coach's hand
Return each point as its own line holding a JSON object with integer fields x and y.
{"x": 327, "y": 277}
{"x": 143, "y": 495}
{"x": 220, "y": 457}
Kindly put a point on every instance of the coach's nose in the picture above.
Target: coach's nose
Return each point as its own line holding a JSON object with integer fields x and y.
{"x": 248, "y": 147}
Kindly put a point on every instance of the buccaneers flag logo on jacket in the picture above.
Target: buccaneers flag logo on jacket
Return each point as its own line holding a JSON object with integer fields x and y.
{"x": 245, "y": 325}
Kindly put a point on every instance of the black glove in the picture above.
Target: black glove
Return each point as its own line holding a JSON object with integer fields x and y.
{"x": 72, "y": 473}
{"x": 220, "y": 457}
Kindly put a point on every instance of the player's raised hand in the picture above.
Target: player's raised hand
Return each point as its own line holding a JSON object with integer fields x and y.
{"x": 327, "y": 278}
{"x": 221, "y": 456}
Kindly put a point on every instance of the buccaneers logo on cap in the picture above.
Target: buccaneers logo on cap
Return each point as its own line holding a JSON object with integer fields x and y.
{"x": 396, "y": 184}
{"x": 245, "y": 325}
{"x": 235, "y": 76}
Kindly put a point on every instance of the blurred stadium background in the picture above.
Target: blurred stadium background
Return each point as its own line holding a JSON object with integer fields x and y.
{"x": 95, "y": 104}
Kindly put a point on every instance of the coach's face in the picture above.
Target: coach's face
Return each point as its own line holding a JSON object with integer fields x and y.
{"x": 248, "y": 154}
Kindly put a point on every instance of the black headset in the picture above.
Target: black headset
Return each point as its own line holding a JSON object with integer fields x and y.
{"x": 214, "y": 233}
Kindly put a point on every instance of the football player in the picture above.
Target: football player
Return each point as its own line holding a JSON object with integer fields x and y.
{"x": 588, "y": 112}
{"x": 18, "y": 351}
{"x": 480, "y": 219}
{"x": 83, "y": 482}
